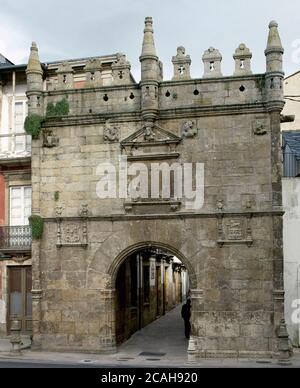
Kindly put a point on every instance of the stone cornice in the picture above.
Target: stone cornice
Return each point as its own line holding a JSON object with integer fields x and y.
{"x": 102, "y": 89}
{"x": 179, "y": 215}
{"x": 215, "y": 110}
{"x": 199, "y": 81}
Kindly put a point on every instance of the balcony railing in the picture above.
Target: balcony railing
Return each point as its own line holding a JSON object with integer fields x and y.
{"x": 15, "y": 238}
{"x": 291, "y": 165}
{"x": 15, "y": 145}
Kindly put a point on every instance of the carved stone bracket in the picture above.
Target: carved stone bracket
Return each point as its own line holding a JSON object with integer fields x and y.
{"x": 260, "y": 130}
{"x": 37, "y": 295}
{"x": 21, "y": 259}
{"x": 235, "y": 230}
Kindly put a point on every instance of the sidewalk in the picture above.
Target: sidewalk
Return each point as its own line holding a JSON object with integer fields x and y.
{"x": 161, "y": 344}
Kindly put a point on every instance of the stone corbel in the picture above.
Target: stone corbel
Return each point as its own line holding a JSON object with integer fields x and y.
{"x": 260, "y": 130}
{"x": 37, "y": 295}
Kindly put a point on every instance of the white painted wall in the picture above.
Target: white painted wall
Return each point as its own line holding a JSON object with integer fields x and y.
{"x": 291, "y": 239}
{"x": 292, "y": 88}
{"x": 9, "y": 98}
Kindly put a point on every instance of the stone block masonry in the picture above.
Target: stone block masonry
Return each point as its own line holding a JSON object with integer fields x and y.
{"x": 232, "y": 246}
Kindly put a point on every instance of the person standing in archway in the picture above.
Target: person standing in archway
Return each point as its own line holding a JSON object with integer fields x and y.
{"x": 186, "y": 315}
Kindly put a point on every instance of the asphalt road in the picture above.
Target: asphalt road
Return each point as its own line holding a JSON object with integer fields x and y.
{"x": 13, "y": 364}
{"x": 35, "y": 365}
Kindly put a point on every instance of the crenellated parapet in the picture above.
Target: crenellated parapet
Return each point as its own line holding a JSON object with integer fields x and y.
{"x": 212, "y": 59}
{"x": 242, "y": 57}
{"x": 182, "y": 64}
{"x": 93, "y": 70}
{"x": 65, "y": 76}
{"x": 105, "y": 85}
{"x": 121, "y": 70}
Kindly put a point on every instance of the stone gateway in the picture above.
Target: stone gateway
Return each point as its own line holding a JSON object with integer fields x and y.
{"x": 94, "y": 114}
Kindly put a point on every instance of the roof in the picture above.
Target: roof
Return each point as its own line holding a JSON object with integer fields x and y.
{"x": 292, "y": 75}
{"x": 292, "y": 139}
{"x": 9, "y": 68}
{"x": 4, "y": 61}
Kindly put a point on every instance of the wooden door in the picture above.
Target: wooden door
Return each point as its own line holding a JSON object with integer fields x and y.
{"x": 20, "y": 298}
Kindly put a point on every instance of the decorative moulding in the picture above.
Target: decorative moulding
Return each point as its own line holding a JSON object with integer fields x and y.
{"x": 173, "y": 205}
{"x": 73, "y": 233}
{"x": 150, "y": 135}
{"x": 235, "y": 230}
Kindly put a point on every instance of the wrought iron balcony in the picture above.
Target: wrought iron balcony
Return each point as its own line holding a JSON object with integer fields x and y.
{"x": 15, "y": 238}
{"x": 15, "y": 145}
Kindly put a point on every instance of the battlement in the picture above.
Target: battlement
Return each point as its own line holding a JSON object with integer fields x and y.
{"x": 104, "y": 85}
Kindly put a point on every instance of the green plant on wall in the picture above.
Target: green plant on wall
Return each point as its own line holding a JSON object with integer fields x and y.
{"x": 56, "y": 196}
{"x": 61, "y": 108}
{"x": 33, "y": 125}
{"x": 50, "y": 112}
{"x": 37, "y": 227}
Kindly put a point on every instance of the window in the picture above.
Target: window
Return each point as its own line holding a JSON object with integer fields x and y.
{"x": 23, "y": 143}
{"x": 20, "y": 205}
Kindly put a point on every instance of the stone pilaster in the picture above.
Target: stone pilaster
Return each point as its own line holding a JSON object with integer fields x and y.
{"x": 37, "y": 296}
{"x": 108, "y": 325}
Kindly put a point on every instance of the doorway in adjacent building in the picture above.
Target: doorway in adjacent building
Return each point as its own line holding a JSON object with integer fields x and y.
{"x": 20, "y": 298}
{"x": 150, "y": 283}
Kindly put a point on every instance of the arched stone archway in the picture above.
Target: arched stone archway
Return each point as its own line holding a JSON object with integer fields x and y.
{"x": 113, "y": 270}
{"x": 117, "y": 263}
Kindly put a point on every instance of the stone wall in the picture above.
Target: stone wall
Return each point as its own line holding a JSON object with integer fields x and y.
{"x": 237, "y": 305}
{"x": 236, "y": 315}
{"x": 236, "y": 162}
{"x": 231, "y": 243}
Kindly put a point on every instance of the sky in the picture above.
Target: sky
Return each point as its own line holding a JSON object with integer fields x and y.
{"x": 66, "y": 29}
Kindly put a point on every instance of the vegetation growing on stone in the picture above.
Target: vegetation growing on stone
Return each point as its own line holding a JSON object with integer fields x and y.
{"x": 33, "y": 125}
{"x": 37, "y": 227}
{"x": 61, "y": 108}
